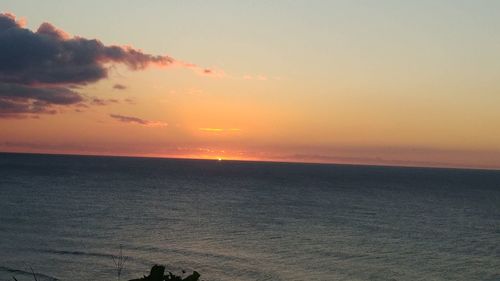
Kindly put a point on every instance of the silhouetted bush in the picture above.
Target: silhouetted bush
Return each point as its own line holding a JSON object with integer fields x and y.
{"x": 157, "y": 273}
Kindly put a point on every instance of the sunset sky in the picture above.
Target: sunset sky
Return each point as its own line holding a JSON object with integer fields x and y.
{"x": 367, "y": 82}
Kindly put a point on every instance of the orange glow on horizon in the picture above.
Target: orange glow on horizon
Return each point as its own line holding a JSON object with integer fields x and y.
{"x": 221, "y": 155}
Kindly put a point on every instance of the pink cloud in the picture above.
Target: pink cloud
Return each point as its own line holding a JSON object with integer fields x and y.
{"x": 138, "y": 121}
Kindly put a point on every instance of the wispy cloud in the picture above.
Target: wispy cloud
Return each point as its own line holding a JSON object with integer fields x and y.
{"x": 119, "y": 87}
{"x": 219, "y": 130}
{"x": 138, "y": 121}
{"x": 102, "y": 102}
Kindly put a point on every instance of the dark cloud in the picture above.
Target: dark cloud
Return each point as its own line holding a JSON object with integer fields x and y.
{"x": 50, "y": 56}
{"x": 98, "y": 101}
{"x": 40, "y": 70}
{"x": 129, "y": 101}
{"x": 136, "y": 120}
{"x": 129, "y": 119}
{"x": 20, "y": 99}
{"x": 12, "y": 109}
{"x": 119, "y": 87}
{"x": 8, "y": 20}
{"x": 52, "y": 95}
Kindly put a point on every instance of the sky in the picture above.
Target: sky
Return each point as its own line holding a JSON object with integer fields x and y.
{"x": 413, "y": 83}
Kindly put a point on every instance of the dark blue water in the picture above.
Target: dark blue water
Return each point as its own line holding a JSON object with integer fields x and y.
{"x": 66, "y": 216}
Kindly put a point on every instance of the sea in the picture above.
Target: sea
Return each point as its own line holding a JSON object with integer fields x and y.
{"x": 70, "y": 217}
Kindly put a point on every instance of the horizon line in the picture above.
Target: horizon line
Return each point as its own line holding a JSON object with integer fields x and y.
{"x": 437, "y": 166}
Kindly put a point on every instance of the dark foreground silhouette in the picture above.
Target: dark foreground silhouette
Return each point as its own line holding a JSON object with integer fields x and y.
{"x": 157, "y": 273}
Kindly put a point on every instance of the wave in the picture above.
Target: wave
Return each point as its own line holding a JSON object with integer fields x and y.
{"x": 24, "y": 272}
{"x": 91, "y": 254}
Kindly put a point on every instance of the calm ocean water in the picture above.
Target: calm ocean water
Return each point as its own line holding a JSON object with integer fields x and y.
{"x": 66, "y": 216}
